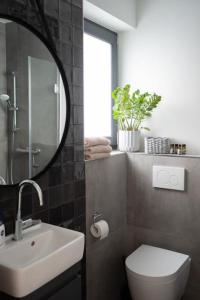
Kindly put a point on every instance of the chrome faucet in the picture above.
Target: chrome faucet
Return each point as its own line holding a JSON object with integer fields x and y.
{"x": 19, "y": 221}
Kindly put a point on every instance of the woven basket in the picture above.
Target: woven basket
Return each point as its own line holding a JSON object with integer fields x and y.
{"x": 157, "y": 145}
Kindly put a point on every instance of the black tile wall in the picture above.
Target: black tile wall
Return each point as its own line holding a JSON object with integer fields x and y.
{"x": 64, "y": 183}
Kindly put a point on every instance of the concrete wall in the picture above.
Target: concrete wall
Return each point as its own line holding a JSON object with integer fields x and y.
{"x": 164, "y": 218}
{"x": 122, "y": 191}
{"x": 162, "y": 55}
{"x": 106, "y": 193}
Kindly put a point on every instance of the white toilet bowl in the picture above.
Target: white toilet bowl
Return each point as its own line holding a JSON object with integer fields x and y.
{"x": 157, "y": 274}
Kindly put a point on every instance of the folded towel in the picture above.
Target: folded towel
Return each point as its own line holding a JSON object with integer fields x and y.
{"x": 93, "y": 141}
{"x": 98, "y": 149}
{"x": 96, "y": 156}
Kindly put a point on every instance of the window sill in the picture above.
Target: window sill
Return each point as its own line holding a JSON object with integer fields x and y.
{"x": 113, "y": 153}
{"x": 165, "y": 155}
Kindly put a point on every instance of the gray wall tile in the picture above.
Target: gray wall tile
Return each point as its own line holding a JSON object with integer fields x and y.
{"x": 105, "y": 268}
{"x": 106, "y": 193}
{"x": 164, "y": 218}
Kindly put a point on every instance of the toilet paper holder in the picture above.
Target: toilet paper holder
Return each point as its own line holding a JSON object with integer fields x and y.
{"x": 95, "y": 216}
{"x": 99, "y": 228}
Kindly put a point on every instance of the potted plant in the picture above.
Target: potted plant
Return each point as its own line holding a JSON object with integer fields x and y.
{"x": 130, "y": 110}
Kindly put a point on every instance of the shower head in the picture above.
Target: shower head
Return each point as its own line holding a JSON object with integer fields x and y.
{"x": 4, "y": 97}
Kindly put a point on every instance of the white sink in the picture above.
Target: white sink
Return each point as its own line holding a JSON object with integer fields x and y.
{"x": 45, "y": 252}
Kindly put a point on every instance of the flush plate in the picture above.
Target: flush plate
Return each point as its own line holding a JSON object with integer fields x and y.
{"x": 172, "y": 178}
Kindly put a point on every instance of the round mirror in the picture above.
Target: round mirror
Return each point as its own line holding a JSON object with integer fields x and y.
{"x": 33, "y": 106}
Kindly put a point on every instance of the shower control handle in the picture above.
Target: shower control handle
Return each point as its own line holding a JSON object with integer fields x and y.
{"x": 35, "y": 151}
{"x": 13, "y": 108}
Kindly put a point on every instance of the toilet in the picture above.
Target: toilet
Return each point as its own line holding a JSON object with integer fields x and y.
{"x": 157, "y": 274}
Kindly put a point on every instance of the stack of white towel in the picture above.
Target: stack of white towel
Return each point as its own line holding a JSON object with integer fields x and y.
{"x": 97, "y": 147}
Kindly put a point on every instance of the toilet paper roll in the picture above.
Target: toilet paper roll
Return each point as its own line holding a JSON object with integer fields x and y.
{"x": 100, "y": 230}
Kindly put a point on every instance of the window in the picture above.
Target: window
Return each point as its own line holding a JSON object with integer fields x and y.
{"x": 100, "y": 78}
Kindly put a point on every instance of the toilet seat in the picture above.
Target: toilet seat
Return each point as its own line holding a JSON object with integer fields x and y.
{"x": 152, "y": 263}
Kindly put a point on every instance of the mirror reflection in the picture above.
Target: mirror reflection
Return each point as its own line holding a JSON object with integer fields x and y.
{"x": 32, "y": 104}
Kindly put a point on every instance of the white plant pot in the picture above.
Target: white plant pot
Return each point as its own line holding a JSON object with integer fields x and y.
{"x": 129, "y": 141}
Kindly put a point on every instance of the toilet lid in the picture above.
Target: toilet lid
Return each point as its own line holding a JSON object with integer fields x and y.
{"x": 155, "y": 262}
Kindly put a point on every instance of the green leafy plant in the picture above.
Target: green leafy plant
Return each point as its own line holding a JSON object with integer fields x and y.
{"x": 130, "y": 110}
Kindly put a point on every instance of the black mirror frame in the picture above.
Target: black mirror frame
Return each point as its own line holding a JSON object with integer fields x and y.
{"x": 66, "y": 88}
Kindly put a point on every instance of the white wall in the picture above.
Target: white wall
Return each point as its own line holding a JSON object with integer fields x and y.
{"x": 117, "y": 15}
{"x": 163, "y": 55}
{"x": 123, "y": 10}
